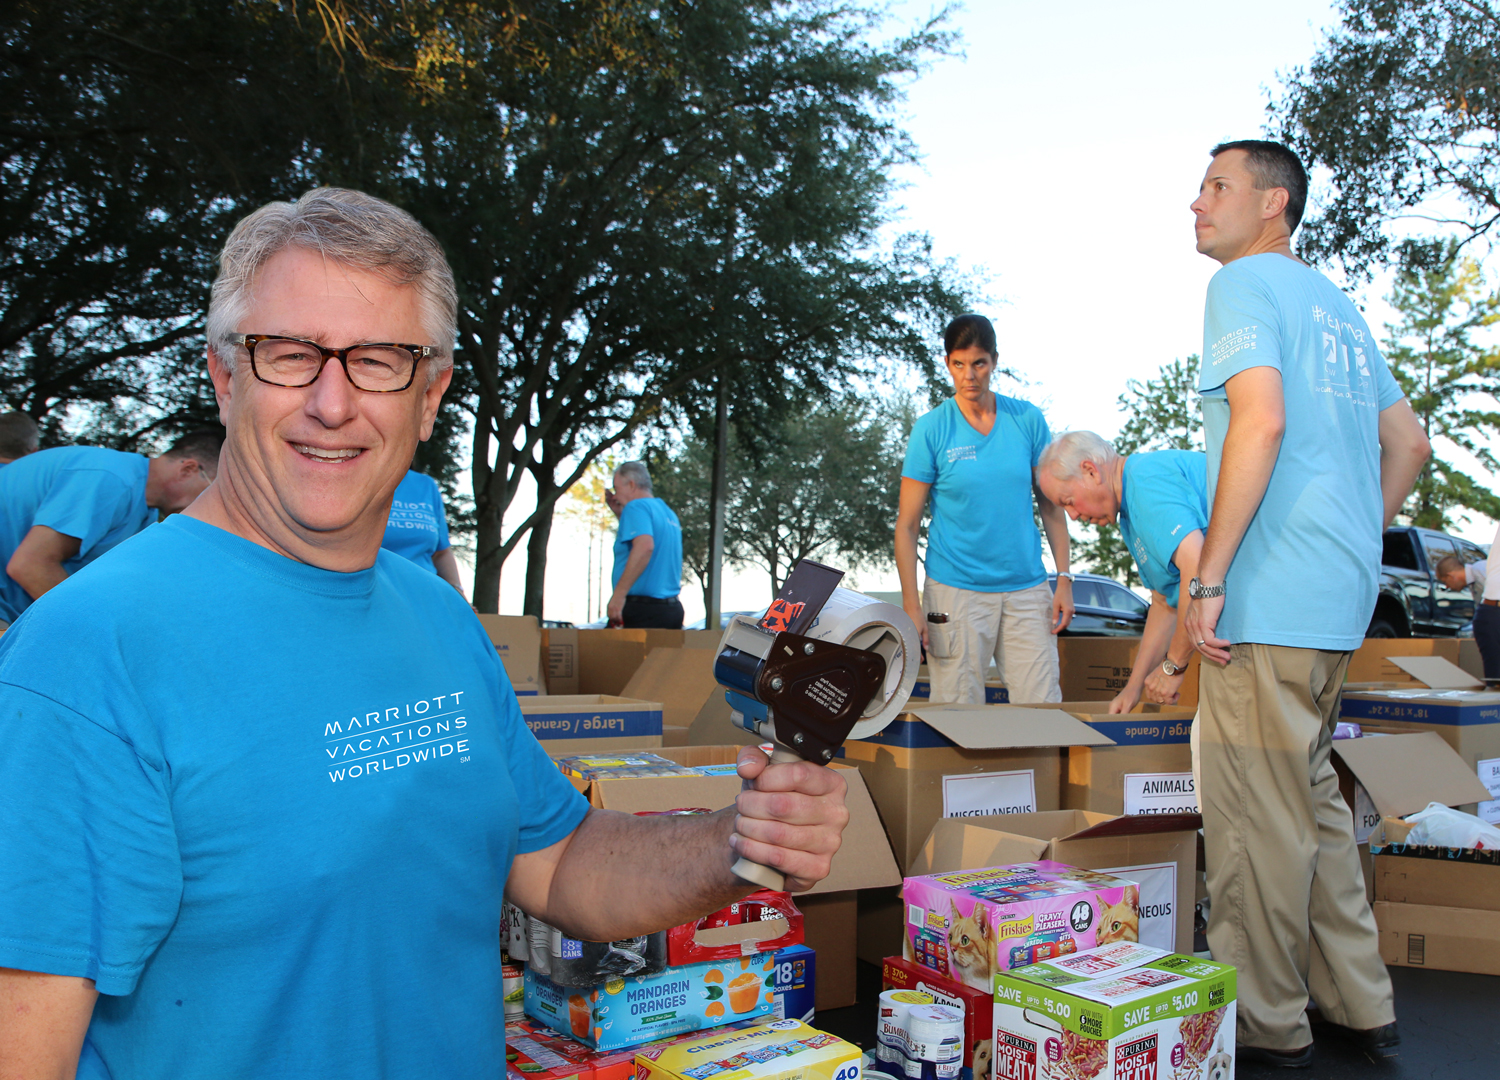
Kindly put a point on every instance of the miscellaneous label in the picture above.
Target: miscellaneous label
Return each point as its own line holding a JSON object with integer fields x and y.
{"x": 1489, "y": 776}
{"x": 1160, "y": 793}
{"x": 983, "y": 794}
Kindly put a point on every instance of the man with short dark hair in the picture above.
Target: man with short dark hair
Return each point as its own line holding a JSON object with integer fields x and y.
{"x": 648, "y": 554}
{"x": 19, "y": 436}
{"x": 61, "y": 509}
{"x": 1311, "y": 451}
{"x": 267, "y": 787}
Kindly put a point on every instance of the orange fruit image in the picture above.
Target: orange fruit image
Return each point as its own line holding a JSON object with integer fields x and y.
{"x": 713, "y": 975}
{"x": 744, "y": 992}
{"x": 715, "y": 1008}
{"x": 744, "y": 963}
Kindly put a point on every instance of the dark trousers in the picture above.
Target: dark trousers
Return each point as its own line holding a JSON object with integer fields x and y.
{"x": 1487, "y": 637}
{"x": 650, "y": 613}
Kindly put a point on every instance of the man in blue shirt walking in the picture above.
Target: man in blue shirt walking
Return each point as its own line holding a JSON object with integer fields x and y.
{"x": 1311, "y": 452}
{"x": 648, "y": 554}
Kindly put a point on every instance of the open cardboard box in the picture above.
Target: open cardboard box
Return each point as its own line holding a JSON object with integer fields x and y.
{"x": 603, "y": 661}
{"x": 683, "y": 681}
{"x": 1149, "y": 771}
{"x": 1373, "y": 661}
{"x": 518, "y": 640}
{"x": 1435, "y": 907}
{"x": 1097, "y": 668}
{"x": 864, "y": 860}
{"x": 939, "y": 761}
{"x": 1158, "y": 851}
{"x": 583, "y": 723}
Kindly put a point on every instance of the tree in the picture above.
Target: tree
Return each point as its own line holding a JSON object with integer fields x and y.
{"x": 1401, "y": 104}
{"x": 624, "y": 237}
{"x": 584, "y": 503}
{"x": 1450, "y": 380}
{"x": 1164, "y": 414}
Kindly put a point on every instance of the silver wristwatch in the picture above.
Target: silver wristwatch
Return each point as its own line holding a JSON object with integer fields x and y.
{"x": 1199, "y": 591}
{"x": 1170, "y": 669}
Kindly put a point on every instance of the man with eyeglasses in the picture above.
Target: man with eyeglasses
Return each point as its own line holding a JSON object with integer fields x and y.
{"x": 267, "y": 785}
{"x": 61, "y": 509}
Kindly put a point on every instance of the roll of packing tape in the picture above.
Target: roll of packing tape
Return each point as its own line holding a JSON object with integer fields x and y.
{"x": 862, "y": 622}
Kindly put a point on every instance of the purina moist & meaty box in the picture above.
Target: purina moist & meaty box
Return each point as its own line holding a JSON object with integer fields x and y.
{"x": 972, "y": 923}
{"x": 1120, "y": 1012}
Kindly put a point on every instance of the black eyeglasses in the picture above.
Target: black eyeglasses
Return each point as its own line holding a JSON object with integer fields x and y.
{"x": 376, "y": 367}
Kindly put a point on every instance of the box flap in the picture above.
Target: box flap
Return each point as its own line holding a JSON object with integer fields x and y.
{"x": 742, "y": 933}
{"x": 1140, "y": 825}
{"x": 996, "y": 727}
{"x": 1403, "y": 773}
{"x": 1437, "y": 672}
{"x": 681, "y": 679}
{"x": 971, "y": 843}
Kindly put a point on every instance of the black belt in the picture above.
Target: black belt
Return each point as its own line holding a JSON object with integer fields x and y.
{"x": 1490, "y": 603}
{"x": 652, "y": 599}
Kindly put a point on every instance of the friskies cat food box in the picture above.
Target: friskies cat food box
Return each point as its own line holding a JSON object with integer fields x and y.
{"x": 1119, "y": 1012}
{"x": 970, "y": 924}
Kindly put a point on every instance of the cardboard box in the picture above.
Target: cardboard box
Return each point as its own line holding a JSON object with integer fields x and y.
{"x": 1151, "y": 1015}
{"x": 1444, "y": 938}
{"x": 780, "y": 1050}
{"x": 796, "y": 984}
{"x": 579, "y": 723}
{"x": 1150, "y": 771}
{"x": 965, "y": 760}
{"x": 642, "y": 1008}
{"x": 1395, "y": 775}
{"x": 1158, "y": 851}
{"x": 683, "y": 681}
{"x": 978, "y": 1008}
{"x": 518, "y": 640}
{"x": 560, "y": 659}
{"x": 1097, "y": 668}
{"x": 995, "y": 692}
{"x": 1467, "y": 720}
{"x": 829, "y": 909}
{"x": 764, "y": 921}
{"x": 1371, "y": 662}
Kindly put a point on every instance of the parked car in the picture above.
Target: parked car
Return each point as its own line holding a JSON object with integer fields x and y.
{"x": 1412, "y": 602}
{"x": 1103, "y": 607}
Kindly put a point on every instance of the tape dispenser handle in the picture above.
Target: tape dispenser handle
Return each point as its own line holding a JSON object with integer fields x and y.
{"x": 754, "y": 872}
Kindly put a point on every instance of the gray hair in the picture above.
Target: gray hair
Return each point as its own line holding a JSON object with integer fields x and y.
{"x": 19, "y": 435}
{"x": 1065, "y": 455}
{"x": 347, "y": 227}
{"x": 635, "y": 472}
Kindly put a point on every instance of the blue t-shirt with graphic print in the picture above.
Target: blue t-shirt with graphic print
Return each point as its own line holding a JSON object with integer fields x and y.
{"x": 1307, "y": 571}
{"x": 1163, "y": 499}
{"x": 94, "y": 495}
{"x": 983, "y": 536}
{"x": 269, "y": 809}
{"x": 418, "y": 526}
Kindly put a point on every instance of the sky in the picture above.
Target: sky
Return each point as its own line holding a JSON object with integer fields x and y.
{"x": 1060, "y": 151}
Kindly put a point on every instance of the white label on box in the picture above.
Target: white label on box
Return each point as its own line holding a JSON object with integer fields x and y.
{"x": 1489, "y": 776}
{"x": 1158, "y": 884}
{"x": 1160, "y": 793}
{"x": 1366, "y": 817}
{"x": 982, "y": 794}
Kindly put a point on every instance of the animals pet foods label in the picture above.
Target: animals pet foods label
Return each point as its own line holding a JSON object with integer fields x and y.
{"x": 984, "y": 794}
{"x": 1160, "y": 793}
{"x": 1120, "y": 1012}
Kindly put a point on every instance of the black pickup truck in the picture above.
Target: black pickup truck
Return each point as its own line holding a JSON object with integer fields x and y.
{"x": 1412, "y": 602}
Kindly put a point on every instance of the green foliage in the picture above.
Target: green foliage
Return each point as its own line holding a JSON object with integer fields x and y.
{"x": 823, "y": 485}
{"x": 1164, "y": 414}
{"x": 1401, "y": 105}
{"x": 1450, "y": 380}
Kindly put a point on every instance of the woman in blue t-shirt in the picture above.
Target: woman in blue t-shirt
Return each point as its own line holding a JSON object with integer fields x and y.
{"x": 986, "y": 591}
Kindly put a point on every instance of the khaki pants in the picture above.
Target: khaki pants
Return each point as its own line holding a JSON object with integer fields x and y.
{"x": 1288, "y": 897}
{"x": 1013, "y": 627}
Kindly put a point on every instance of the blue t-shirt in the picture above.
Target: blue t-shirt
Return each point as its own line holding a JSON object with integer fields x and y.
{"x": 269, "y": 809}
{"x": 1308, "y": 568}
{"x": 96, "y": 496}
{"x": 983, "y": 536}
{"x": 651, "y": 517}
{"x": 418, "y": 525}
{"x": 1163, "y": 499}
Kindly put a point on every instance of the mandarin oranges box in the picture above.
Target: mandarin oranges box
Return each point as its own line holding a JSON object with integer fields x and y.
{"x": 970, "y": 924}
{"x": 629, "y": 1011}
{"x": 780, "y": 1050}
{"x": 1119, "y": 1011}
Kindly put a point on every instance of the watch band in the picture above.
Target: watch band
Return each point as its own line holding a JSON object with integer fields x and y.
{"x": 1199, "y": 591}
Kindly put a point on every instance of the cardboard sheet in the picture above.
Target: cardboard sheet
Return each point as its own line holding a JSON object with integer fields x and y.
{"x": 995, "y": 727}
{"x": 1403, "y": 773}
{"x": 1437, "y": 672}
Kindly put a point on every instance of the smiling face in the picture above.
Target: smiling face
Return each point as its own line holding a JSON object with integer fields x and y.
{"x": 1089, "y": 497}
{"x": 1231, "y": 218}
{"x": 971, "y": 369}
{"x": 311, "y": 470}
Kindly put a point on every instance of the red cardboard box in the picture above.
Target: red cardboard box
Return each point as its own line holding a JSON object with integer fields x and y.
{"x": 978, "y": 1008}
{"x": 764, "y": 921}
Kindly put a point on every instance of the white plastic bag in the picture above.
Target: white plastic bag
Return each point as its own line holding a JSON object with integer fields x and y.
{"x": 1443, "y": 826}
